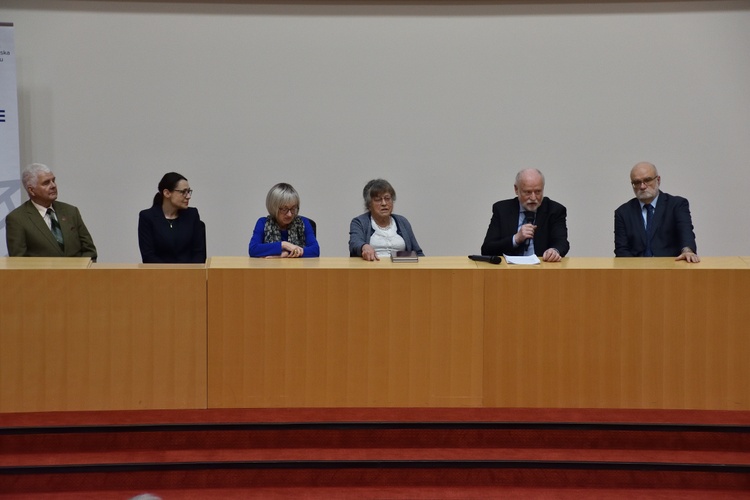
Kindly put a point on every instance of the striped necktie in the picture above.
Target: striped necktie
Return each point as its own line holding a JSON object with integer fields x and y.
{"x": 55, "y": 227}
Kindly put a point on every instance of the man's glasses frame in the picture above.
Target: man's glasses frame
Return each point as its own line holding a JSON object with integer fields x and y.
{"x": 647, "y": 181}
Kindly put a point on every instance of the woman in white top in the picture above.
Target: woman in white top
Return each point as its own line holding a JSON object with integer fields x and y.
{"x": 379, "y": 231}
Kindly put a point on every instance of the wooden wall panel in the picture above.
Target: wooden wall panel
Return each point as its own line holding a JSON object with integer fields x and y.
{"x": 103, "y": 339}
{"x": 377, "y": 335}
{"x": 618, "y": 338}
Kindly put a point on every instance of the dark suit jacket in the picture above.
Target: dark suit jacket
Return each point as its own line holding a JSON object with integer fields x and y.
{"x": 672, "y": 228}
{"x": 28, "y": 235}
{"x": 184, "y": 242}
{"x": 551, "y": 231}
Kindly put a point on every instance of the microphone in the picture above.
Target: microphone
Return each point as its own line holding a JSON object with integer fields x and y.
{"x": 529, "y": 218}
{"x": 492, "y": 259}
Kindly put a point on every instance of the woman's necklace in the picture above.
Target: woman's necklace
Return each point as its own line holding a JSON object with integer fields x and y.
{"x": 171, "y": 219}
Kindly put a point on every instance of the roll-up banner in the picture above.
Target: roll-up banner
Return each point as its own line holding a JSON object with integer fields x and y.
{"x": 10, "y": 158}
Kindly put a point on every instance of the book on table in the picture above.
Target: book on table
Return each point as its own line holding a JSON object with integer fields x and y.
{"x": 404, "y": 256}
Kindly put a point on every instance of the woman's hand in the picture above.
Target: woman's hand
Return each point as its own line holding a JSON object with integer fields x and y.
{"x": 368, "y": 253}
{"x": 291, "y": 250}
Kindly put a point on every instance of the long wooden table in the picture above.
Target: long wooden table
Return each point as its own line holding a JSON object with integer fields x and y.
{"x": 340, "y": 332}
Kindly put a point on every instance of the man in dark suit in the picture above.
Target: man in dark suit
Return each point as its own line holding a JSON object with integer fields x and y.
{"x": 43, "y": 226}
{"x": 654, "y": 223}
{"x": 529, "y": 224}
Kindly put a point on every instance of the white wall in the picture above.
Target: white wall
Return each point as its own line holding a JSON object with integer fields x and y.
{"x": 446, "y": 102}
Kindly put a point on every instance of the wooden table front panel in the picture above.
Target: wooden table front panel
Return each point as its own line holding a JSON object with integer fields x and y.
{"x": 383, "y": 335}
{"x": 618, "y": 338}
{"x": 103, "y": 339}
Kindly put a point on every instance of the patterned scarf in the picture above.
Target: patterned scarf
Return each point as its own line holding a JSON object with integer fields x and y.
{"x": 272, "y": 231}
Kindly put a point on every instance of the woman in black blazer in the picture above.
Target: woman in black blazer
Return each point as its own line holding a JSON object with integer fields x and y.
{"x": 170, "y": 231}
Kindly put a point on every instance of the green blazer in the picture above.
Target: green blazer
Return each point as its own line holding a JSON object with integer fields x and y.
{"x": 27, "y": 234}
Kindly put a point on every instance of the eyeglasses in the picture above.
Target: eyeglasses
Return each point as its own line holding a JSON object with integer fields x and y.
{"x": 184, "y": 192}
{"x": 288, "y": 210}
{"x": 646, "y": 181}
{"x": 387, "y": 199}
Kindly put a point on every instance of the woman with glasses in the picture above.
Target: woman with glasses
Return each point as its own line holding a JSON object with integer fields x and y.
{"x": 170, "y": 231}
{"x": 283, "y": 232}
{"x": 379, "y": 231}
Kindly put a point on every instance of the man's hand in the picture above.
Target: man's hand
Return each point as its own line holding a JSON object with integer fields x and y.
{"x": 551, "y": 255}
{"x": 688, "y": 255}
{"x": 524, "y": 233}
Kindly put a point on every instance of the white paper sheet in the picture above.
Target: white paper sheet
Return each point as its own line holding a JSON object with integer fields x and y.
{"x": 524, "y": 260}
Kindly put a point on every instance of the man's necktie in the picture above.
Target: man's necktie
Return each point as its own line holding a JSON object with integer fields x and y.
{"x": 649, "y": 219}
{"x": 528, "y": 218}
{"x": 55, "y": 227}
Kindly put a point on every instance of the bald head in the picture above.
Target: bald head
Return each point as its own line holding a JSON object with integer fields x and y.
{"x": 529, "y": 175}
{"x": 643, "y": 169}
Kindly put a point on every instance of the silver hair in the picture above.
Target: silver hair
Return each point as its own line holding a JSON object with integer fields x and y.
{"x": 31, "y": 172}
{"x": 520, "y": 173}
{"x": 281, "y": 194}
{"x": 375, "y": 188}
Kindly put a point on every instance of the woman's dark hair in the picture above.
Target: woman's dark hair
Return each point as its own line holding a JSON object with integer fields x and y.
{"x": 169, "y": 182}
